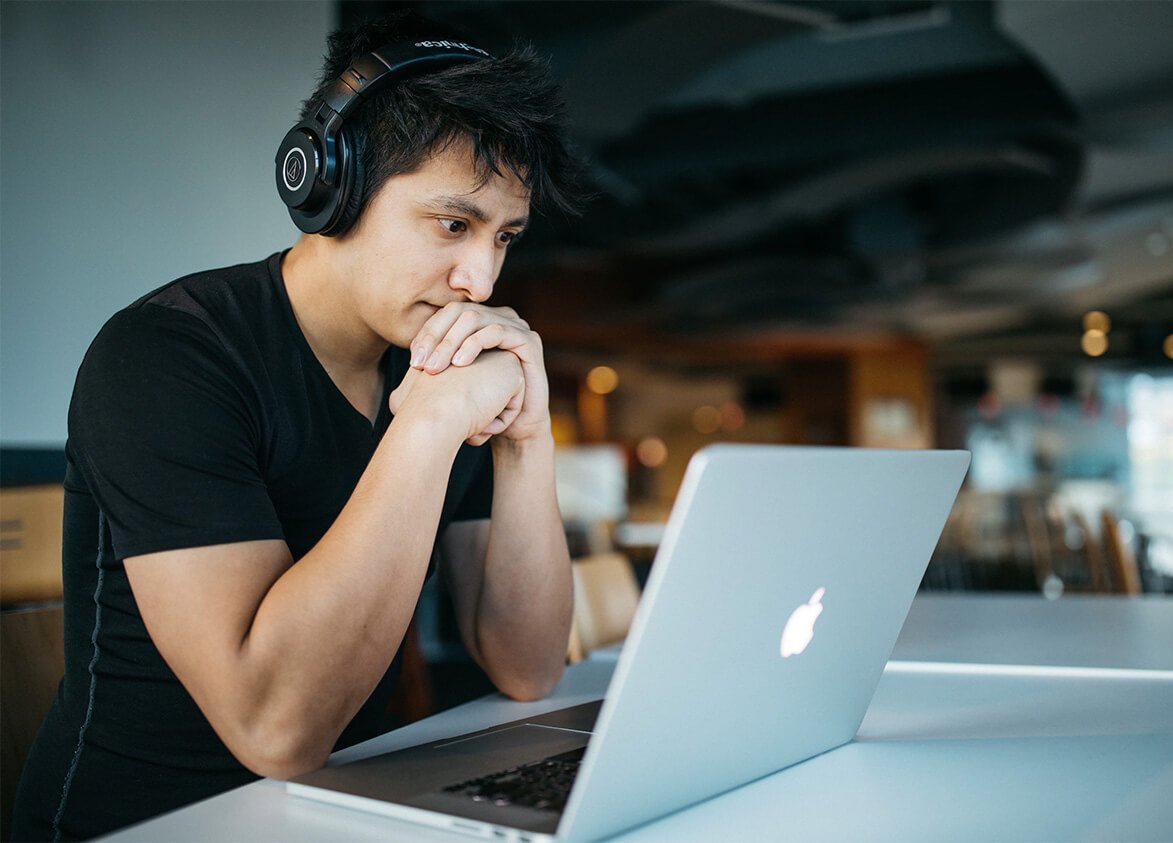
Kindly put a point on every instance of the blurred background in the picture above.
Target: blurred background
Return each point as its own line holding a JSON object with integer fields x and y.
{"x": 910, "y": 223}
{"x": 899, "y": 224}
{"x": 888, "y": 224}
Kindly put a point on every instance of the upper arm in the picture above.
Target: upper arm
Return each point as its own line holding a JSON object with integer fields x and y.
{"x": 162, "y": 431}
{"x": 198, "y": 605}
{"x": 464, "y": 545}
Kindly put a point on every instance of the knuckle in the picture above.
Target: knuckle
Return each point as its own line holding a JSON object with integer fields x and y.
{"x": 514, "y": 316}
{"x": 467, "y": 319}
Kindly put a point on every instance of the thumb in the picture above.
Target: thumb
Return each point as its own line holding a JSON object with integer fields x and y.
{"x": 398, "y": 396}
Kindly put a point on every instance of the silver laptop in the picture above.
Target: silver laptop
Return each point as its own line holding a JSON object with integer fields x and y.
{"x": 775, "y": 599}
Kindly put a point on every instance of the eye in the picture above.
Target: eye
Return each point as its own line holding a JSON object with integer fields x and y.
{"x": 507, "y": 237}
{"x": 453, "y": 226}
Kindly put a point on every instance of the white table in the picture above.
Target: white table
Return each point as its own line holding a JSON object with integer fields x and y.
{"x": 1099, "y": 632}
{"x": 947, "y": 751}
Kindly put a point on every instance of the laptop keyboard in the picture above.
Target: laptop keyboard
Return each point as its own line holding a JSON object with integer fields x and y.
{"x": 544, "y": 784}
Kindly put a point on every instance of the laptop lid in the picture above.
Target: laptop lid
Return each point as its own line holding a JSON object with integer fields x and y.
{"x": 774, "y": 601}
{"x": 781, "y": 584}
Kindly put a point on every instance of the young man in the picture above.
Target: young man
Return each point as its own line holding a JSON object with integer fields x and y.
{"x": 264, "y": 460}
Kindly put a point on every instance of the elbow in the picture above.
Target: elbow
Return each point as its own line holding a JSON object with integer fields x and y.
{"x": 281, "y": 766}
{"x": 280, "y": 753}
{"x": 522, "y": 669}
{"x": 532, "y": 686}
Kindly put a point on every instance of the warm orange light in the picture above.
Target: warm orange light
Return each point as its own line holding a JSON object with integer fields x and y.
{"x": 1097, "y": 320}
{"x": 651, "y": 451}
{"x": 706, "y": 419}
{"x": 732, "y": 416}
{"x": 1094, "y": 342}
{"x": 1169, "y": 346}
{"x": 602, "y": 380}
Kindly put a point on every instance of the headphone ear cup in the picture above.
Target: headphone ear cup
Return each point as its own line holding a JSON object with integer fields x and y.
{"x": 353, "y": 181}
{"x": 299, "y": 168}
{"x": 321, "y": 216}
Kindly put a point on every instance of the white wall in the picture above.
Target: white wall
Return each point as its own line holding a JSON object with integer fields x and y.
{"x": 136, "y": 145}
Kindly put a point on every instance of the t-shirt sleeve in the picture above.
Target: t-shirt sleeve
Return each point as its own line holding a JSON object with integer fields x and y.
{"x": 162, "y": 428}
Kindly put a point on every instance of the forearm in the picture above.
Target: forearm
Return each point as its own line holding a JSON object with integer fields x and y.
{"x": 327, "y": 629}
{"x": 526, "y": 601}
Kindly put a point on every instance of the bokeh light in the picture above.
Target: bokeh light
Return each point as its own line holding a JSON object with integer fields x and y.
{"x": 1094, "y": 342}
{"x": 1097, "y": 320}
{"x": 732, "y": 416}
{"x": 602, "y": 380}
{"x": 706, "y": 419}
{"x": 651, "y": 451}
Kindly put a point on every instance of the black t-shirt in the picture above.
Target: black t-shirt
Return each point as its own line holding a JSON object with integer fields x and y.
{"x": 200, "y": 416}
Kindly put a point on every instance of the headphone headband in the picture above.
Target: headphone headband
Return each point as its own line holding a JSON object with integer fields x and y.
{"x": 315, "y": 166}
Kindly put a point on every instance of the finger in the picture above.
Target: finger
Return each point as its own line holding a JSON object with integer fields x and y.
{"x": 508, "y": 414}
{"x": 513, "y": 407}
{"x": 491, "y": 336}
{"x": 444, "y": 322}
{"x": 500, "y": 424}
{"x": 467, "y": 324}
{"x": 433, "y": 330}
{"x": 511, "y": 316}
{"x": 523, "y": 344}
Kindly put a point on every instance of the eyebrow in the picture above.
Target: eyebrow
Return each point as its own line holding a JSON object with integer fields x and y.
{"x": 461, "y": 205}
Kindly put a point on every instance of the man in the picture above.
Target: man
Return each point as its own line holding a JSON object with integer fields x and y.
{"x": 264, "y": 458}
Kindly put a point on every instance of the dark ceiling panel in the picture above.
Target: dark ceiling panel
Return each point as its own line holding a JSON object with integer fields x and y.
{"x": 792, "y": 164}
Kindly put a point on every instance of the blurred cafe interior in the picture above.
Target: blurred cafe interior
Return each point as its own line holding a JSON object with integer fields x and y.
{"x": 866, "y": 223}
{"x": 881, "y": 224}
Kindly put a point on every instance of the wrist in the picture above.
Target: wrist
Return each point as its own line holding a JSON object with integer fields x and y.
{"x": 508, "y": 451}
{"x": 431, "y": 424}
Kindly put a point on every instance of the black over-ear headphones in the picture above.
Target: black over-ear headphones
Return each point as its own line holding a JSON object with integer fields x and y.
{"x": 316, "y": 162}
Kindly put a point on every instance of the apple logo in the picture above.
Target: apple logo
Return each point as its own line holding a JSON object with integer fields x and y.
{"x": 801, "y": 626}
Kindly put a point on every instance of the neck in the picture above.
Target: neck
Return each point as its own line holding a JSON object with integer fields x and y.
{"x": 315, "y": 276}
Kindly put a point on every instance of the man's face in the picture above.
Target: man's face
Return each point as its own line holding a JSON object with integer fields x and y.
{"x": 429, "y": 238}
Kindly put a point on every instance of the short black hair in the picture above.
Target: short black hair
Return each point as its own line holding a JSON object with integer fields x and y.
{"x": 508, "y": 108}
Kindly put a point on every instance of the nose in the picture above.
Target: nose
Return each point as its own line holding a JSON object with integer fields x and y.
{"x": 475, "y": 272}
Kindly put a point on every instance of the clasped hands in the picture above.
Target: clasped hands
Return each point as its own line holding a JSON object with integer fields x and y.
{"x": 488, "y": 362}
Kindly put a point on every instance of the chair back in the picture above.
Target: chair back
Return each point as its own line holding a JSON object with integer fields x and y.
{"x": 606, "y": 595}
{"x": 30, "y": 543}
{"x": 1121, "y": 559}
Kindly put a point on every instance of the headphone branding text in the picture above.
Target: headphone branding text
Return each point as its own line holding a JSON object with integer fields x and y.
{"x": 453, "y": 45}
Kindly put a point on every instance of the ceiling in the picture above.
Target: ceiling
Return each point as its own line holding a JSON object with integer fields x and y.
{"x": 777, "y": 178}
